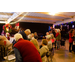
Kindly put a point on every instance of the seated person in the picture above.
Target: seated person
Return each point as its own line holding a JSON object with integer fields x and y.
{"x": 34, "y": 41}
{"x": 25, "y": 51}
{"x": 44, "y": 49}
{"x": 24, "y": 34}
{"x": 5, "y": 42}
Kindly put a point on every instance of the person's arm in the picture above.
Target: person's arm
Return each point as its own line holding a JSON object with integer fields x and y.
{"x": 18, "y": 55}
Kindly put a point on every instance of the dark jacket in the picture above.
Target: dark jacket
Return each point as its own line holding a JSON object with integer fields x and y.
{"x": 23, "y": 35}
{"x": 28, "y": 51}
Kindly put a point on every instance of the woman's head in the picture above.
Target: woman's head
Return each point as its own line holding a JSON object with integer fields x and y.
{"x": 3, "y": 38}
{"x": 44, "y": 42}
{"x": 35, "y": 42}
{"x": 17, "y": 36}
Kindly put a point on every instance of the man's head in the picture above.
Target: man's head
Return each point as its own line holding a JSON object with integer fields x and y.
{"x": 27, "y": 31}
{"x": 17, "y": 36}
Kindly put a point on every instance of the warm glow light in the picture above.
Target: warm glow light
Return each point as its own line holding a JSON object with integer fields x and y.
{"x": 53, "y": 13}
{"x": 7, "y": 29}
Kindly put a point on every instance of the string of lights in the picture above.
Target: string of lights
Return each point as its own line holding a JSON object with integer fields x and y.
{"x": 19, "y": 19}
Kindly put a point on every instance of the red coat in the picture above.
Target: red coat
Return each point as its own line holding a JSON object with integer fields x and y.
{"x": 28, "y": 51}
{"x": 56, "y": 34}
{"x": 70, "y": 38}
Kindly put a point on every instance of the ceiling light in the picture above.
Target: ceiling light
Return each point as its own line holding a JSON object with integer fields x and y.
{"x": 53, "y": 13}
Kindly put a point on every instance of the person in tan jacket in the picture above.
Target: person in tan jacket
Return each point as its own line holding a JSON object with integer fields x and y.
{"x": 34, "y": 41}
{"x": 5, "y": 42}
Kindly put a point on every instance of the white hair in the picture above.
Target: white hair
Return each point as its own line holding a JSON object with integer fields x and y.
{"x": 28, "y": 30}
{"x": 48, "y": 37}
{"x": 17, "y": 36}
{"x": 30, "y": 36}
{"x": 58, "y": 30}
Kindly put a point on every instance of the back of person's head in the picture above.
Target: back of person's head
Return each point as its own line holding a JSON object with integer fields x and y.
{"x": 3, "y": 38}
{"x": 29, "y": 36}
{"x": 35, "y": 42}
{"x": 32, "y": 34}
{"x": 57, "y": 30}
{"x": 48, "y": 37}
{"x": 44, "y": 42}
{"x": 27, "y": 31}
{"x": 35, "y": 33}
{"x": 47, "y": 33}
{"x": 52, "y": 36}
{"x": 17, "y": 36}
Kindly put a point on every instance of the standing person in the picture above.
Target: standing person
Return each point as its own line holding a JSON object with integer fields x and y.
{"x": 54, "y": 36}
{"x": 70, "y": 40}
{"x": 35, "y": 35}
{"x": 44, "y": 49}
{"x": 25, "y": 51}
{"x": 73, "y": 36}
{"x": 58, "y": 38}
{"x": 48, "y": 37}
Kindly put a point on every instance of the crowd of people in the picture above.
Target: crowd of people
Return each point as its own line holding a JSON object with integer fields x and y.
{"x": 27, "y": 48}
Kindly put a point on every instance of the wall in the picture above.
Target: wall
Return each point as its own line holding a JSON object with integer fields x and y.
{"x": 35, "y": 27}
{"x": 40, "y": 28}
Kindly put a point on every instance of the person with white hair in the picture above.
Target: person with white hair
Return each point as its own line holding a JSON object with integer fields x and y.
{"x": 27, "y": 32}
{"x": 48, "y": 37}
{"x": 24, "y": 34}
{"x": 58, "y": 38}
{"x": 25, "y": 51}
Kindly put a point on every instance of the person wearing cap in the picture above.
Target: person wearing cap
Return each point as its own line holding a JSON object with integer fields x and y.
{"x": 25, "y": 51}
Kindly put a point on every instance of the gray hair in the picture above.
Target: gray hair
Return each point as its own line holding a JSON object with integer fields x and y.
{"x": 28, "y": 30}
{"x": 17, "y": 36}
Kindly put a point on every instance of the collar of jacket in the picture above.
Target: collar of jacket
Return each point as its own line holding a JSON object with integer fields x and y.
{"x": 20, "y": 39}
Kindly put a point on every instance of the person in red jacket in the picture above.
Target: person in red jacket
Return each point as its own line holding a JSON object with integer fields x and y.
{"x": 70, "y": 39}
{"x": 25, "y": 51}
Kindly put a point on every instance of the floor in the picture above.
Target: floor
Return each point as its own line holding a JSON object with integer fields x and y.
{"x": 63, "y": 55}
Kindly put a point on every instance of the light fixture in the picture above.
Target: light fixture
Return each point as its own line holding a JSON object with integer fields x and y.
{"x": 2, "y": 22}
{"x": 53, "y": 13}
